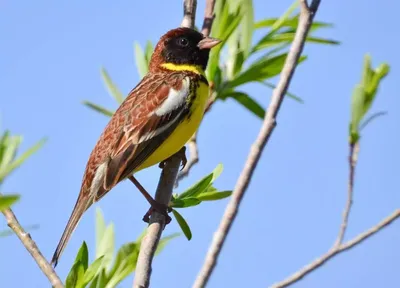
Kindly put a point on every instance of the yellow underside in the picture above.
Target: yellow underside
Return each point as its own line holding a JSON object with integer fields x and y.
{"x": 183, "y": 132}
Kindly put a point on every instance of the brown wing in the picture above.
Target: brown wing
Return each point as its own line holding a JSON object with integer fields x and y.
{"x": 135, "y": 130}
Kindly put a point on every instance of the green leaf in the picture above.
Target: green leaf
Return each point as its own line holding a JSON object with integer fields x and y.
{"x": 111, "y": 87}
{"x": 288, "y": 94}
{"x": 185, "y": 202}
{"x": 164, "y": 241}
{"x": 247, "y": 27}
{"x": 21, "y": 159}
{"x": 291, "y": 23}
{"x": 372, "y": 118}
{"x": 10, "y": 232}
{"x": 262, "y": 69}
{"x": 100, "y": 229}
{"x": 125, "y": 263}
{"x": 141, "y": 62}
{"x": 7, "y": 200}
{"x": 247, "y": 102}
{"x": 197, "y": 188}
{"x": 229, "y": 22}
{"x": 98, "y": 108}
{"x": 83, "y": 256}
{"x": 183, "y": 224}
{"x": 285, "y": 16}
{"x": 217, "y": 172}
{"x": 3, "y": 146}
{"x": 93, "y": 270}
{"x": 148, "y": 52}
{"x": 106, "y": 246}
{"x": 212, "y": 196}
{"x": 9, "y": 149}
{"x": 75, "y": 276}
{"x": 100, "y": 281}
{"x": 356, "y": 111}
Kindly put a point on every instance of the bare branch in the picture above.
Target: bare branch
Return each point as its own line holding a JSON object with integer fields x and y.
{"x": 353, "y": 156}
{"x": 336, "y": 250}
{"x": 32, "y": 248}
{"x": 164, "y": 191}
{"x": 193, "y": 159}
{"x": 189, "y": 13}
{"x": 208, "y": 17}
{"x": 269, "y": 123}
{"x": 157, "y": 223}
{"x": 192, "y": 143}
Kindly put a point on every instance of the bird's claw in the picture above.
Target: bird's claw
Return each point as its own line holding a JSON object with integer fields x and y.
{"x": 182, "y": 154}
{"x": 160, "y": 208}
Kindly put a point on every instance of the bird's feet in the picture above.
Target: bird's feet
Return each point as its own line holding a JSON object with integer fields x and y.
{"x": 181, "y": 153}
{"x": 160, "y": 208}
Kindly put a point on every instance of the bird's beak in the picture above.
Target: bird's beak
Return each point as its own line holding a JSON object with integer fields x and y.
{"x": 208, "y": 43}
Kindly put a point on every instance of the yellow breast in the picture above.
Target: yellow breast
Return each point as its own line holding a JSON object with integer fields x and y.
{"x": 181, "y": 135}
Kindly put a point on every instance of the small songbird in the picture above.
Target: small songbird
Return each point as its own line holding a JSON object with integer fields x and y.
{"x": 154, "y": 122}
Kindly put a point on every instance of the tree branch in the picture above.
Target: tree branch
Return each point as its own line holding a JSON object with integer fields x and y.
{"x": 189, "y": 13}
{"x": 269, "y": 123}
{"x": 208, "y": 17}
{"x": 339, "y": 246}
{"x": 157, "y": 223}
{"x": 336, "y": 250}
{"x": 168, "y": 176}
{"x": 32, "y": 248}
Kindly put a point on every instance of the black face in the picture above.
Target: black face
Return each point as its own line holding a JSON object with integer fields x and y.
{"x": 182, "y": 49}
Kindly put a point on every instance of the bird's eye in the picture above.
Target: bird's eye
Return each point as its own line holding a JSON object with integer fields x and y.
{"x": 183, "y": 42}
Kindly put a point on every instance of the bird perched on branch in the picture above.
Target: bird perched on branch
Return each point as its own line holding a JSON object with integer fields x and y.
{"x": 154, "y": 122}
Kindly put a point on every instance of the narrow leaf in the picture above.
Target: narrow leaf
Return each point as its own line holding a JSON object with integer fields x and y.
{"x": 21, "y": 159}
{"x": 372, "y": 118}
{"x": 248, "y": 102}
{"x": 106, "y": 246}
{"x": 185, "y": 202}
{"x": 357, "y": 108}
{"x": 93, "y": 270}
{"x": 288, "y": 94}
{"x": 98, "y": 108}
{"x": 75, "y": 275}
{"x": 183, "y": 224}
{"x": 100, "y": 229}
{"x": 141, "y": 62}
{"x": 164, "y": 241}
{"x": 247, "y": 26}
{"x": 10, "y": 232}
{"x": 83, "y": 256}
{"x": 212, "y": 196}
{"x": 197, "y": 188}
{"x": 111, "y": 87}
{"x": 7, "y": 200}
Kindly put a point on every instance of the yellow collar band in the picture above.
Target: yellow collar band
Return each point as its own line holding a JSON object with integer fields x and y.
{"x": 183, "y": 67}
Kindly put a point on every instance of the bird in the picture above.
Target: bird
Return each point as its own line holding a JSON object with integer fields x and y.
{"x": 154, "y": 122}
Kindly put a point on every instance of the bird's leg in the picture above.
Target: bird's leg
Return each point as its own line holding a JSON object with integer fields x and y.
{"x": 161, "y": 208}
{"x": 181, "y": 153}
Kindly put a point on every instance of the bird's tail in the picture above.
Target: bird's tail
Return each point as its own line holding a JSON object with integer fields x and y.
{"x": 81, "y": 206}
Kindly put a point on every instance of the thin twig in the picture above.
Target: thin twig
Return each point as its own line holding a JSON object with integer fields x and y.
{"x": 32, "y": 248}
{"x": 164, "y": 191}
{"x": 336, "y": 250}
{"x": 192, "y": 143}
{"x": 269, "y": 123}
{"x": 339, "y": 246}
{"x": 208, "y": 17}
{"x": 157, "y": 223}
{"x": 353, "y": 156}
{"x": 189, "y": 13}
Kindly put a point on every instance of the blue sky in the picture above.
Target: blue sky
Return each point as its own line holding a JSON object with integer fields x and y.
{"x": 51, "y": 53}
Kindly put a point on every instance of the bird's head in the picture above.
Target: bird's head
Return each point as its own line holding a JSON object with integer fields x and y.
{"x": 182, "y": 49}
